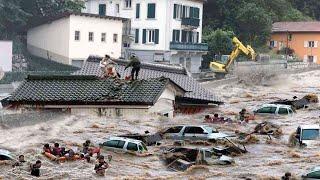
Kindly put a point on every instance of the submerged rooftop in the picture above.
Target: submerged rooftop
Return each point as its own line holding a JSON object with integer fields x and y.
{"x": 194, "y": 91}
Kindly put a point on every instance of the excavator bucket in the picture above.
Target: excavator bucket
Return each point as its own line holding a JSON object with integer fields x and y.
{"x": 217, "y": 67}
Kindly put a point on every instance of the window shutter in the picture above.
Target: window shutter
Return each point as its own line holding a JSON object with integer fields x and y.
{"x": 198, "y": 37}
{"x": 151, "y": 10}
{"x": 175, "y": 11}
{"x": 136, "y": 40}
{"x": 191, "y": 13}
{"x": 137, "y": 11}
{"x": 275, "y": 43}
{"x": 173, "y": 35}
{"x": 184, "y": 36}
{"x": 315, "y": 59}
{"x": 183, "y": 11}
{"x": 305, "y": 44}
{"x": 144, "y": 36}
{"x": 157, "y": 36}
{"x": 102, "y": 9}
{"x": 197, "y": 13}
{"x": 178, "y": 34}
{"x": 315, "y": 43}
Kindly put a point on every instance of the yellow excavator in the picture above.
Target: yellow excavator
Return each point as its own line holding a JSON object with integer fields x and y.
{"x": 220, "y": 69}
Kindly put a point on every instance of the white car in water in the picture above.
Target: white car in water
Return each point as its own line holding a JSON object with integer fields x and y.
{"x": 124, "y": 145}
{"x": 193, "y": 132}
{"x": 274, "y": 109}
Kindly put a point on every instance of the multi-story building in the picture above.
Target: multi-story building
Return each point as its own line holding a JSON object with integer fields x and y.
{"x": 302, "y": 37}
{"x": 163, "y": 31}
{"x": 69, "y": 38}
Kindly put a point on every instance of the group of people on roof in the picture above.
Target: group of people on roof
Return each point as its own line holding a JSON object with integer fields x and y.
{"x": 108, "y": 67}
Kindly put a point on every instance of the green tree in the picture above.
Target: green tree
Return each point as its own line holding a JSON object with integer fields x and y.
{"x": 15, "y": 14}
{"x": 219, "y": 42}
{"x": 254, "y": 24}
{"x": 11, "y": 17}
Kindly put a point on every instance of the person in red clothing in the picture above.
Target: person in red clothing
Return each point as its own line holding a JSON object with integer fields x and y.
{"x": 47, "y": 148}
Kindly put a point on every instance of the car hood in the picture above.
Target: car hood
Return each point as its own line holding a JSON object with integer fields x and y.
{"x": 218, "y": 135}
{"x": 226, "y": 158}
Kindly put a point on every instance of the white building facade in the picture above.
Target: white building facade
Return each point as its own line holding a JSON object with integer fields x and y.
{"x": 161, "y": 31}
{"x": 72, "y": 37}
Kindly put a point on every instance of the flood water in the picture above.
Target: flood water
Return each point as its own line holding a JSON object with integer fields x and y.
{"x": 265, "y": 159}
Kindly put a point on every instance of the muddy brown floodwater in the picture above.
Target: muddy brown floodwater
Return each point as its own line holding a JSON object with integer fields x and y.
{"x": 265, "y": 159}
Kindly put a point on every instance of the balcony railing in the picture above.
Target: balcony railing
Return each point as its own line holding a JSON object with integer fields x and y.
{"x": 189, "y": 46}
{"x": 194, "y": 22}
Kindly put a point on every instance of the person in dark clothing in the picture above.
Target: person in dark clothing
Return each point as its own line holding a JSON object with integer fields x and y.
{"x": 101, "y": 166}
{"x": 287, "y": 176}
{"x": 20, "y": 161}
{"x": 242, "y": 114}
{"x": 35, "y": 168}
{"x": 135, "y": 64}
{"x": 86, "y": 146}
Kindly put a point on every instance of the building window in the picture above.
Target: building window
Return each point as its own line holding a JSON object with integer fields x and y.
{"x": 290, "y": 37}
{"x": 176, "y": 35}
{"x": 136, "y": 36}
{"x": 188, "y": 63}
{"x": 177, "y": 11}
{"x": 117, "y": 8}
{"x": 310, "y": 59}
{"x": 151, "y": 11}
{"x": 115, "y": 38}
{"x": 181, "y": 61}
{"x": 128, "y": 3}
{"x": 189, "y": 36}
{"x": 273, "y": 44}
{"x": 102, "y": 9}
{"x": 77, "y": 35}
{"x": 91, "y": 36}
{"x": 103, "y": 37}
{"x": 137, "y": 11}
{"x": 194, "y": 12}
{"x": 150, "y": 36}
{"x": 185, "y": 11}
{"x": 311, "y": 44}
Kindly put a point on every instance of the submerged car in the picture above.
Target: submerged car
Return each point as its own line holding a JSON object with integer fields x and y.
{"x": 274, "y": 109}
{"x": 313, "y": 174}
{"x": 124, "y": 145}
{"x": 201, "y": 132}
{"x": 181, "y": 158}
{"x": 5, "y": 155}
{"x": 307, "y": 134}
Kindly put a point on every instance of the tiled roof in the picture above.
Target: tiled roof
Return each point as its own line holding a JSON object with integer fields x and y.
{"x": 176, "y": 74}
{"x": 307, "y": 26}
{"x": 88, "y": 90}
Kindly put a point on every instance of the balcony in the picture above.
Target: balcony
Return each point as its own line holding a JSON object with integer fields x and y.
{"x": 190, "y": 22}
{"x": 188, "y": 46}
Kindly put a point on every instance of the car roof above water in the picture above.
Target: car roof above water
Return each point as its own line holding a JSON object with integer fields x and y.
{"x": 310, "y": 126}
{"x": 124, "y": 139}
{"x": 276, "y": 105}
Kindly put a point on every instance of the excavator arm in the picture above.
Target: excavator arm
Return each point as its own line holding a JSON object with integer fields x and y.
{"x": 238, "y": 48}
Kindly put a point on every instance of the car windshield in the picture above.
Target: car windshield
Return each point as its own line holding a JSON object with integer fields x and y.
{"x": 210, "y": 129}
{"x": 310, "y": 134}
